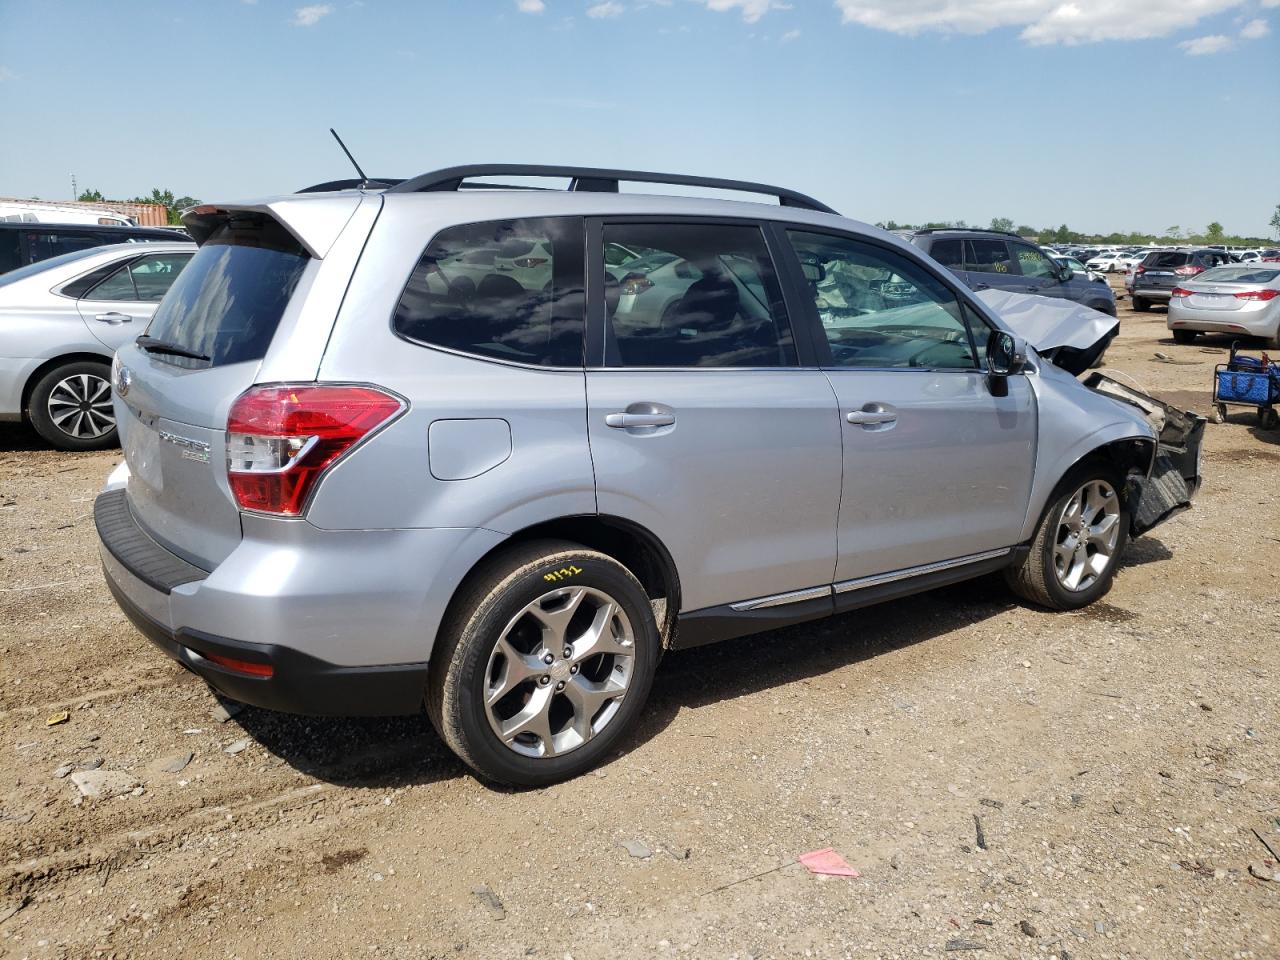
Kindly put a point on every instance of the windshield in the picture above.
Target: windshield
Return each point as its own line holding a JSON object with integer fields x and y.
{"x": 228, "y": 302}
{"x": 31, "y": 269}
{"x": 1238, "y": 274}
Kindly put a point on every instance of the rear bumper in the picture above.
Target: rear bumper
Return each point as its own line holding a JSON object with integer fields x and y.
{"x": 1153, "y": 293}
{"x": 299, "y": 683}
{"x": 346, "y": 620}
{"x": 1250, "y": 323}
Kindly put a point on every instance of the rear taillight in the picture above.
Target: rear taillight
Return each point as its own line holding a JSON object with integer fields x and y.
{"x": 1180, "y": 292}
{"x": 634, "y": 284}
{"x": 281, "y": 438}
{"x": 1188, "y": 270}
{"x": 1258, "y": 295}
{"x": 1139, "y": 269}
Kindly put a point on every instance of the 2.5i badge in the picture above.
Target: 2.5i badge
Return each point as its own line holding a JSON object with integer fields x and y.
{"x": 196, "y": 450}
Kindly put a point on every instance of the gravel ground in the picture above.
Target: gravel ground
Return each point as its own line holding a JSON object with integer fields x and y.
{"x": 1009, "y": 782}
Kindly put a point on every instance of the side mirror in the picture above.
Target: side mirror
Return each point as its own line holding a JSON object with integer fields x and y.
{"x": 1006, "y": 354}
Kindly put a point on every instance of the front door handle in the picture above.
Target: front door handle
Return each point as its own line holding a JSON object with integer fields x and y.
{"x": 871, "y": 415}
{"x": 113, "y": 318}
{"x": 625, "y": 421}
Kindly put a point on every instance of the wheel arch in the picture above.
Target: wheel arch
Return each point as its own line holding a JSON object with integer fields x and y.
{"x": 1129, "y": 455}
{"x": 631, "y": 544}
{"x": 52, "y": 364}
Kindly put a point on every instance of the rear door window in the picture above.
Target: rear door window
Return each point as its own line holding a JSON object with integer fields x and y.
{"x": 949, "y": 253}
{"x": 508, "y": 290}
{"x": 228, "y": 301}
{"x": 153, "y": 275}
{"x": 987, "y": 256}
{"x": 706, "y": 295}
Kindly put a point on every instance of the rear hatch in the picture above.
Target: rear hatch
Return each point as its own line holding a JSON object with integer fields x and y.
{"x": 1230, "y": 288}
{"x": 1159, "y": 269}
{"x": 174, "y": 386}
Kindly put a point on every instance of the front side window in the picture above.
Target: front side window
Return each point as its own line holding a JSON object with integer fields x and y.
{"x": 1033, "y": 263}
{"x": 509, "y": 290}
{"x": 880, "y": 309}
{"x": 702, "y": 295}
{"x": 987, "y": 256}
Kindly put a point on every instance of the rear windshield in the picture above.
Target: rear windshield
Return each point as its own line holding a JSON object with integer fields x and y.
{"x": 228, "y": 302}
{"x": 1166, "y": 260}
{"x": 1239, "y": 274}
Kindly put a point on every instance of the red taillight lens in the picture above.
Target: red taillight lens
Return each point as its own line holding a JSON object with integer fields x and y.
{"x": 634, "y": 284}
{"x": 264, "y": 670}
{"x": 1181, "y": 292}
{"x": 1258, "y": 295}
{"x": 1188, "y": 270}
{"x": 1139, "y": 269}
{"x": 280, "y": 439}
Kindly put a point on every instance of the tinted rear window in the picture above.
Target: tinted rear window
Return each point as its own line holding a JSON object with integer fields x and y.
{"x": 1241, "y": 274}
{"x": 510, "y": 290}
{"x": 1166, "y": 261}
{"x": 229, "y": 300}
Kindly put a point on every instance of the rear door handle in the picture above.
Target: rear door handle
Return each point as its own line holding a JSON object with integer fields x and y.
{"x": 871, "y": 417}
{"x": 113, "y": 318}
{"x": 625, "y": 421}
{"x": 1032, "y": 289}
{"x": 982, "y": 286}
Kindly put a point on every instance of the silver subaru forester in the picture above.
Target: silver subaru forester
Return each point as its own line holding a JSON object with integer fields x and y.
{"x": 492, "y": 451}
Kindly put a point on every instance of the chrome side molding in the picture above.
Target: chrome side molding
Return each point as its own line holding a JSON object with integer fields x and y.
{"x": 781, "y": 599}
{"x": 861, "y": 583}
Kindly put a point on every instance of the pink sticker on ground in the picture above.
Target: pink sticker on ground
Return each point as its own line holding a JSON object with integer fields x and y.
{"x": 829, "y": 862}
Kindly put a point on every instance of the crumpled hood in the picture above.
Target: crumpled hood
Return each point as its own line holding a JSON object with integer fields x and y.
{"x": 1067, "y": 333}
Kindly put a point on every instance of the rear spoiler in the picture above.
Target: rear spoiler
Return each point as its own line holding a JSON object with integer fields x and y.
{"x": 315, "y": 220}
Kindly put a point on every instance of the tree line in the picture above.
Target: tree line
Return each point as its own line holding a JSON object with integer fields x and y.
{"x": 1212, "y": 234}
{"x": 165, "y": 198}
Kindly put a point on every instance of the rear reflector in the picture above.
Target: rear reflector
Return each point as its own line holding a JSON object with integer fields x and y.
{"x": 263, "y": 670}
{"x": 1258, "y": 295}
{"x": 281, "y": 438}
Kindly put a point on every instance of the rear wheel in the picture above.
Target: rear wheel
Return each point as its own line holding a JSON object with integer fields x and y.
{"x": 1078, "y": 543}
{"x": 1268, "y": 418}
{"x": 1184, "y": 336}
{"x": 1141, "y": 305}
{"x": 70, "y": 407}
{"x": 544, "y": 664}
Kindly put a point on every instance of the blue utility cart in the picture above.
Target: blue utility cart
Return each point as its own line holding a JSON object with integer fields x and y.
{"x": 1247, "y": 381}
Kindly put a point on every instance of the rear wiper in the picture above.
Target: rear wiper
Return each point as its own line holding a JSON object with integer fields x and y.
{"x": 153, "y": 345}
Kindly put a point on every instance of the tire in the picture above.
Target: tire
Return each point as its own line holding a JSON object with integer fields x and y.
{"x": 70, "y": 407}
{"x": 1039, "y": 578}
{"x": 490, "y": 625}
{"x": 1268, "y": 418}
{"x": 1141, "y": 305}
{"x": 1184, "y": 336}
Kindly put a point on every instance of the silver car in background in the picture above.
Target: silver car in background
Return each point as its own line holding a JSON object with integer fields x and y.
{"x": 1242, "y": 299}
{"x": 396, "y": 446}
{"x": 61, "y": 320}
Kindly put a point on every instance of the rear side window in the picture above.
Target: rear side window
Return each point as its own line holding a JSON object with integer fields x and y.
{"x": 705, "y": 295}
{"x": 42, "y": 245}
{"x": 228, "y": 301}
{"x": 509, "y": 290}
{"x": 10, "y": 258}
{"x": 987, "y": 256}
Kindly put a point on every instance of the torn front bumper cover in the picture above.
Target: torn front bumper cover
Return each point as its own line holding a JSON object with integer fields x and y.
{"x": 1175, "y": 474}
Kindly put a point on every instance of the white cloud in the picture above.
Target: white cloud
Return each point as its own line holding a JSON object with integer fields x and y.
{"x": 1042, "y": 21}
{"x": 790, "y": 35}
{"x": 1202, "y": 46}
{"x": 7, "y": 74}
{"x": 1271, "y": 3}
{"x": 603, "y": 11}
{"x": 530, "y": 6}
{"x": 310, "y": 16}
{"x": 752, "y": 10}
{"x": 1255, "y": 30}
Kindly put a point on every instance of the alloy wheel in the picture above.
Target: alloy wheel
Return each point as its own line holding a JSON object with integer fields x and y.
{"x": 558, "y": 673}
{"x": 80, "y": 406}
{"x": 1088, "y": 532}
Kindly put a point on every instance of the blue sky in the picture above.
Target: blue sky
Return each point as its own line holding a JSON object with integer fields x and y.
{"x": 1104, "y": 114}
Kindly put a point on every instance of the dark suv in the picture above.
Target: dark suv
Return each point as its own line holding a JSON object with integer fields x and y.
{"x": 24, "y": 243}
{"x": 988, "y": 258}
{"x": 1159, "y": 272}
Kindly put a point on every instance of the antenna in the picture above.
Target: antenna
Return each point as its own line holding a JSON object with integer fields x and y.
{"x": 364, "y": 181}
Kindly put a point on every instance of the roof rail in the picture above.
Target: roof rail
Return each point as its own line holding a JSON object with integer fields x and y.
{"x": 1003, "y": 233}
{"x": 594, "y": 180}
{"x": 376, "y": 183}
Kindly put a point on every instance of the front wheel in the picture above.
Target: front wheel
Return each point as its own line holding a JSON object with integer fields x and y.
{"x": 1078, "y": 543}
{"x": 544, "y": 663}
{"x": 70, "y": 407}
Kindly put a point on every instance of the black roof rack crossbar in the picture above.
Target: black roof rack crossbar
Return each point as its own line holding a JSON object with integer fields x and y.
{"x": 329, "y": 186}
{"x": 1003, "y": 233}
{"x": 591, "y": 179}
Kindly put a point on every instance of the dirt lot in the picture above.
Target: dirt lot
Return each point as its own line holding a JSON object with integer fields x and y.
{"x": 1117, "y": 760}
